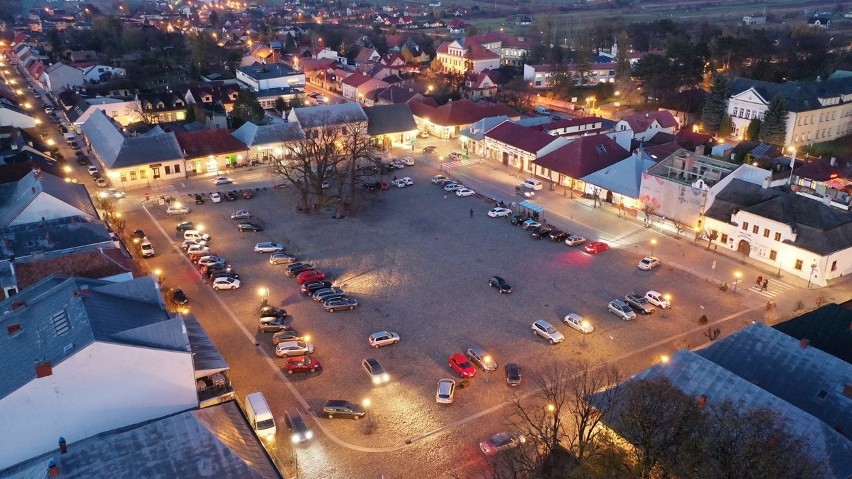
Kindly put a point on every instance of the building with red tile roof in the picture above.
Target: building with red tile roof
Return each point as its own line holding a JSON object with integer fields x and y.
{"x": 647, "y": 124}
{"x": 211, "y": 150}
{"x": 446, "y": 121}
{"x": 459, "y": 56}
{"x": 579, "y": 158}
{"x": 519, "y": 146}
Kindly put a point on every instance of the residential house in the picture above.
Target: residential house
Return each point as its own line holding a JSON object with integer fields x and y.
{"x": 457, "y": 27}
{"x": 392, "y": 95}
{"x": 511, "y": 49}
{"x": 824, "y": 179}
{"x": 817, "y": 111}
{"x": 357, "y": 85}
{"x": 483, "y": 84}
{"x": 446, "y": 121}
{"x": 77, "y": 348}
{"x": 568, "y": 164}
{"x": 646, "y": 125}
{"x": 473, "y": 138}
{"x": 270, "y": 141}
{"x": 103, "y": 73}
{"x": 137, "y": 160}
{"x": 518, "y": 146}
{"x": 211, "y": 151}
{"x": 106, "y": 263}
{"x": 571, "y": 128}
{"x": 12, "y": 115}
{"x": 760, "y": 367}
{"x": 267, "y": 98}
{"x": 819, "y": 21}
{"x": 460, "y": 57}
{"x": 60, "y": 77}
{"x": 620, "y": 184}
{"x": 41, "y": 197}
{"x": 754, "y": 20}
{"x": 367, "y": 55}
{"x": 312, "y": 119}
{"x": 123, "y": 111}
{"x": 213, "y": 102}
{"x": 391, "y": 125}
{"x": 261, "y": 76}
{"x": 162, "y": 107}
{"x": 825, "y": 328}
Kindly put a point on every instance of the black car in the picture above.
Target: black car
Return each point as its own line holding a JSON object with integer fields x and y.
{"x": 430, "y": 149}
{"x": 186, "y": 225}
{"x": 74, "y": 145}
{"x": 557, "y": 235}
{"x": 138, "y": 234}
{"x": 311, "y": 286}
{"x": 386, "y": 168}
{"x": 249, "y": 226}
{"x": 82, "y": 160}
{"x": 295, "y": 268}
{"x": 338, "y": 408}
{"x": 96, "y": 175}
{"x": 226, "y": 273}
{"x": 178, "y": 296}
{"x": 540, "y": 232}
{"x": 272, "y": 312}
{"x": 218, "y": 268}
{"x": 299, "y": 430}
{"x": 231, "y": 196}
{"x": 513, "y": 374}
{"x": 199, "y": 200}
{"x": 80, "y": 154}
{"x": 518, "y": 220}
{"x": 62, "y": 129}
{"x": 501, "y": 284}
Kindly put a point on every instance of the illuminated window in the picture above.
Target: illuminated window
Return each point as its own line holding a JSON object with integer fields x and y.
{"x": 777, "y": 236}
{"x": 773, "y": 254}
{"x": 745, "y": 225}
{"x": 798, "y": 265}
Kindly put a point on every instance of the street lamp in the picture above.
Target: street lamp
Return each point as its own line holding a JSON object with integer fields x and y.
{"x": 366, "y": 402}
{"x": 263, "y": 292}
{"x": 791, "y": 149}
{"x": 584, "y": 327}
{"x": 664, "y": 358}
{"x": 653, "y": 245}
{"x": 551, "y": 408}
{"x": 737, "y": 275}
{"x": 811, "y": 276}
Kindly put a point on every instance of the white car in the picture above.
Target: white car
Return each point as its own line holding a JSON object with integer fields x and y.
{"x": 452, "y": 187}
{"x": 383, "y": 338}
{"x": 268, "y": 247}
{"x": 293, "y": 348}
{"x": 658, "y": 299}
{"x": 407, "y": 180}
{"x": 499, "y": 212}
{"x": 573, "y": 240}
{"x": 187, "y": 243}
{"x": 222, "y": 180}
{"x": 225, "y": 283}
{"x": 398, "y": 183}
{"x": 102, "y": 183}
{"x": 577, "y": 322}
{"x": 446, "y": 391}
{"x": 621, "y": 309}
{"x": 547, "y": 331}
{"x": 533, "y": 184}
{"x": 409, "y": 161}
{"x": 92, "y": 169}
{"x": 649, "y": 262}
{"x": 177, "y": 210}
{"x": 437, "y": 179}
{"x": 215, "y": 197}
{"x": 197, "y": 249}
{"x": 465, "y": 192}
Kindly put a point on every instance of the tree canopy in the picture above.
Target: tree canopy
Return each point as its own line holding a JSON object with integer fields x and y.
{"x": 774, "y": 127}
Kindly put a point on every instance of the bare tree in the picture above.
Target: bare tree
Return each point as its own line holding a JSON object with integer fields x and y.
{"x": 585, "y": 413}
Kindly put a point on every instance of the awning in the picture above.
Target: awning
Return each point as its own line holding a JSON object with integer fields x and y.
{"x": 532, "y": 206}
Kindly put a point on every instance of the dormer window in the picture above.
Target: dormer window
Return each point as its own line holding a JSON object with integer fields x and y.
{"x": 207, "y": 99}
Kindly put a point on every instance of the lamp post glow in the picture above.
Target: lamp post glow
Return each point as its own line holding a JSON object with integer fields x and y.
{"x": 653, "y": 245}
{"x": 737, "y": 275}
{"x": 263, "y": 292}
{"x": 664, "y": 358}
{"x": 791, "y": 149}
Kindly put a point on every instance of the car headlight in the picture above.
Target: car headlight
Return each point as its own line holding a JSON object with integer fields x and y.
{"x": 377, "y": 379}
{"x": 295, "y": 438}
{"x": 309, "y": 435}
{"x": 386, "y": 377}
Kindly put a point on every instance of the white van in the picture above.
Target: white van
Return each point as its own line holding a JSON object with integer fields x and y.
{"x": 260, "y": 416}
{"x": 146, "y": 248}
{"x": 533, "y": 184}
{"x": 195, "y": 235}
{"x": 542, "y": 110}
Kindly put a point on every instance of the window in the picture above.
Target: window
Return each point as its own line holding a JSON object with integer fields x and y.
{"x": 834, "y": 265}
{"x": 736, "y": 111}
{"x": 724, "y": 238}
{"x": 142, "y": 174}
{"x": 777, "y": 236}
{"x": 168, "y": 170}
{"x": 123, "y": 176}
{"x": 798, "y": 265}
{"x": 177, "y": 168}
{"x": 755, "y": 229}
{"x": 765, "y": 233}
{"x": 773, "y": 254}
{"x": 745, "y": 225}
{"x": 60, "y": 323}
{"x": 133, "y": 175}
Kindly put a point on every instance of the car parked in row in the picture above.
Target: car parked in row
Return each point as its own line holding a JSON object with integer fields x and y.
{"x": 339, "y": 304}
{"x": 546, "y": 330}
{"x": 482, "y": 359}
{"x": 295, "y": 268}
{"x": 621, "y": 309}
{"x": 293, "y": 348}
{"x": 574, "y": 240}
{"x": 577, "y": 322}
{"x": 272, "y": 324}
{"x": 268, "y": 247}
{"x": 249, "y": 226}
{"x": 226, "y": 283}
{"x": 446, "y": 391}
{"x": 302, "y": 364}
{"x": 639, "y": 303}
{"x": 595, "y": 247}
{"x": 281, "y": 258}
{"x": 499, "y": 212}
{"x": 324, "y": 294}
{"x": 462, "y": 366}
{"x": 311, "y": 287}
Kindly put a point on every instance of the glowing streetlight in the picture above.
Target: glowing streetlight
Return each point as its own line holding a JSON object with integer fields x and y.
{"x": 200, "y": 228}
{"x": 664, "y": 358}
{"x": 737, "y": 275}
{"x": 263, "y": 292}
{"x": 551, "y": 408}
{"x": 653, "y": 245}
{"x": 366, "y": 402}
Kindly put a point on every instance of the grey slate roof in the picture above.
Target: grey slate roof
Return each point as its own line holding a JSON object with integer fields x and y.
{"x": 478, "y": 130}
{"x": 263, "y": 71}
{"x": 821, "y": 228}
{"x": 624, "y": 177}
{"x": 387, "y": 119}
{"x": 798, "y": 96}
{"x": 116, "y": 151}
{"x": 828, "y": 328}
{"x": 278, "y": 132}
{"x": 59, "y": 318}
{"x": 54, "y": 237}
{"x": 322, "y": 115}
{"x": 17, "y": 196}
{"x": 205, "y": 356}
{"x": 696, "y": 375}
{"x": 212, "y": 442}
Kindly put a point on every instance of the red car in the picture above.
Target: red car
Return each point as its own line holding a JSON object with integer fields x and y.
{"x": 595, "y": 247}
{"x": 462, "y": 365}
{"x": 302, "y": 364}
{"x": 310, "y": 275}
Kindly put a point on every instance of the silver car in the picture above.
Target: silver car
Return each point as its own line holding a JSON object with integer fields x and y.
{"x": 383, "y": 338}
{"x": 547, "y": 331}
{"x": 268, "y": 247}
{"x": 446, "y": 391}
{"x": 482, "y": 359}
{"x": 621, "y": 309}
{"x": 281, "y": 258}
{"x": 293, "y": 348}
{"x": 327, "y": 293}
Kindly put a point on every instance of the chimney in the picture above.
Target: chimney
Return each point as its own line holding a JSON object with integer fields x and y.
{"x": 702, "y": 401}
{"x": 804, "y": 343}
{"x": 766, "y": 181}
{"x": 52, "y": 469}
{"x": 63, "y": 446}
{"x": 85, "y": 289}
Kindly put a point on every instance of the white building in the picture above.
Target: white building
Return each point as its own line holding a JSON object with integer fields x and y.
{"x": 13, "y": 116}
{"x": 261, "y": 76}
{"x": 60, "y": 77}
{"x": 645, "y": 125}
{"x": 99, "y": 73}
{"x": 456, "y": 57}
{"x": 85, "y": 356}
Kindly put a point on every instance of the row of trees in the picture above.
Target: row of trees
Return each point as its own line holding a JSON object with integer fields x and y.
{"x": 670, "y": 434}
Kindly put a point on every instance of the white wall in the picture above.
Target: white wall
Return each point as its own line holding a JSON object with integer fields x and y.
{"x": 47, "y": 207}
{"x": 18, "y": 120}
{"x": 103, "y": 387}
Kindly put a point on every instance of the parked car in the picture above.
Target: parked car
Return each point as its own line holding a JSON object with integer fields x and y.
{"x": 437, "y": 179}
{"x": 184, "y": 226}
{"x": 577, "y": 322}
{"x": 513, "y": 374}
{"x": 225, "y": 283}
{"x": 199, "y": 200}
{"x": 547, "y": 331}
{"x": 501, "y": 284}
{"x": 210, "y": 259}
{"x": 430, "y": 149}
{"x": 248, "y": 194}
{"x": 339, "y": 408}
{"x": 382, "y": 338}
{"x": 501, "y": 441}
{"x": 309, "y": 275}
{"x": 268, "y": 247}
{"x": 281, "y": 258}
{"x": 658, "y": 299}
{"x": 272, "y": 312}
{"x": 574, "y": 240}
{"x": 533, "y": 184}
{"x": 462, "y": 192}
{"x": 520, "y": 190}
{"x": 249, "y": 226}
{"x": 400, "y": 183}
{"x": 299, "y": 430}
{"x": 302, "y": 364}
{"x": 649, "y": 262}
{"x": 222, "y": 180}
{"x": 621, "y": 309}
{"x": 311, "y": 287}
{"x": 481, "y": 358}
{"x": 540, "y": 232}
{"x": 101, "y": 183}
{"x": 338, "y": 304}
{"x": 518, "y": 220}
{"x": 178, "y": 296}
{"x": 499, "y": 212}
{"x": 327, "y": 293}
{"x": 397, "y": 164}
{"x": 293, "y": 348}
{"x": 288, "y": 335}
{"x": 295, "y": 268}
{"x": 452, "y": 187}
{"x": 231, "y": 196}
{"x": 595, "y": 247}
{"x": 226, "y": 273}
{"x": 216, "y": 197}
{"x": 241, "y": 215}
{"x": 446, "y": 391}
{"x": 639, "y": 303}
{"x": 530, "y": 224}
{"x": 461, "y": 365}
{"x": 557, "y": 235}
{"x": 177, "y": 210}
{"x": 407, "y": 161}
{"x": 272, "y": 324}
{"x": 375, "y": 371}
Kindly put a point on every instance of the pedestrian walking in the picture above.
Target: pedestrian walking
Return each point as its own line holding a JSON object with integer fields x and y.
{"x": 471, "y": 212}
{"x": 759, "y": 281}
{"x": 765, "y": 285}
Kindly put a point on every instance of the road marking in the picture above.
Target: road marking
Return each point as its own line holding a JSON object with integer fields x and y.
{"x": 774, "y": 289}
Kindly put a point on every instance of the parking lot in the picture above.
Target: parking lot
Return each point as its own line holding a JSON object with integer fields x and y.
{"x": 419, "y": 265}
